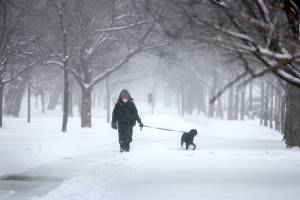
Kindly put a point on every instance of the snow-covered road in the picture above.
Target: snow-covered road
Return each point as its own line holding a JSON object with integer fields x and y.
{"x": 234, "y": 160}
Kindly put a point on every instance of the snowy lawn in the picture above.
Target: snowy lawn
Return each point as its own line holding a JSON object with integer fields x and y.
{"x": 234, "y": 160}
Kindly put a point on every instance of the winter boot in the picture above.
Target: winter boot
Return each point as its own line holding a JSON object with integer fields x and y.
{"x": 122, "y": 147}
{"x": 127, "y": 147}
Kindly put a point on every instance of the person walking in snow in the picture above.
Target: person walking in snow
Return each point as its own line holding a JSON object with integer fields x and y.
{"x": 124, "y": 117}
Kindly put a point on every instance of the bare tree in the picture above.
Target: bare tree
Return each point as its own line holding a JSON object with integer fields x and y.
{"x": 105, "y": 42}
{"x": 265, "y": 32}
{"x": 16, "y": 42}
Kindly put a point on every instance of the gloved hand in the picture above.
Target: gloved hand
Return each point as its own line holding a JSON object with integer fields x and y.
{"x": 114, "y": 125}
{"x": 141, "y": 125}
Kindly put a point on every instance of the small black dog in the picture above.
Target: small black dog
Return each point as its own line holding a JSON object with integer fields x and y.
{"x": 188, "y": 138}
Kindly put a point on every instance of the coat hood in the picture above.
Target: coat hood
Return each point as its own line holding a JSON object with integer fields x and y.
{"x": 125, "y": 93}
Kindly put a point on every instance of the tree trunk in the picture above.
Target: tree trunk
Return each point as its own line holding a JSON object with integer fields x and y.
{"x": 43, "y": 100}
{"x": 277, "y": 113}
{"x": 251, "y": 100}
{"x": 204, "y": 99}
{"x": 71, "y": 99}
{"x": 220, "y": 113}
{"x": 213, "y": 91}
{"x": 86, "y": 106}
{"x": 11, "y": 95}
{"x": 167, "y": 97}
{"x": 28, "y": 103}
{"x": 178, "y": 100}
{"x": 266, "y": 110}
{"x": 230, "y": 104}
{"x": 55, "y": 97}
{"x": 99, "y": 99}
{"x": 201, "y": 101}
{"x": 1, "y": 104}
{"x": 236, "y": 103}
{"x": 36, "y": 100}
{"x": 66, "y": 101}
{"x": 243, "y": 94}
{"x": 292, "y": 122}
{"x": 262, "y": 102}
{"x": 199, "y": 106}
{"x": 18, "y": 99}
{"x": 188, "y": 106}
{"x": 283, "y": 108}
{"x": 153, "y": 102}
{"x": 271, "y": 115}
{"x": 182, "y": 101}
{"x": 191, "y": 100}
{"x": 107, "y": 100}
{"x": 14, "y": 97}
{"x": 94, "y": 99}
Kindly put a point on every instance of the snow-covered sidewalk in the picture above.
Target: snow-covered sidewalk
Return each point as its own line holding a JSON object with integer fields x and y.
{"x": 234, "y": 160}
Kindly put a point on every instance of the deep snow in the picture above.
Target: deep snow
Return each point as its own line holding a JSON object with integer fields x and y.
{"x": 234, "y": 160}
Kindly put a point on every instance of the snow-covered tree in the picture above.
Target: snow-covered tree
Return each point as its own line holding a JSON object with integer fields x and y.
{"x": 106, "y": 34}
{"x": 261, "y": 31}
{"x": 18, "y": 38}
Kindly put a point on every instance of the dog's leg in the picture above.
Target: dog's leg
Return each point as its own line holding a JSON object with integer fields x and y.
{"x": 187, "y": 145}
{"x": 194, "y": 146}
{"x": 182, "y": 142}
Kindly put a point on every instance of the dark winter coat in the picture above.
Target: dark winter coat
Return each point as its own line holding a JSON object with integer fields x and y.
{"x": 125, "y": 113}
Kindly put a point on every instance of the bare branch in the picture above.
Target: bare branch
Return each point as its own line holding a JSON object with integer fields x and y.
{"x": 123, "y": 27}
